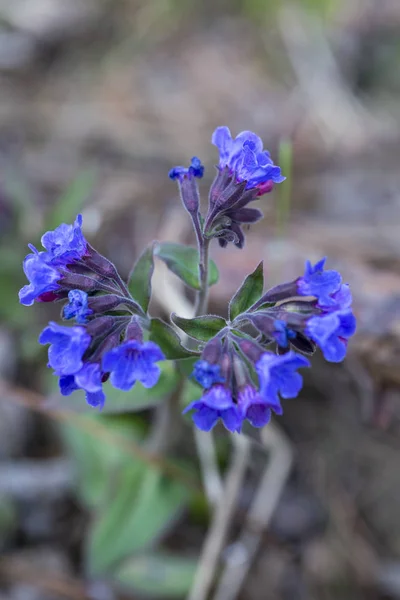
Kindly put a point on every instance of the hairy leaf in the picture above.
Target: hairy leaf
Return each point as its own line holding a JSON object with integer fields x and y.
{"x": 163, "y": 334}
{"x": 200, "y": 328}
{"x": 141, "y": 511}
{"x": 248, "y": 293}
{"x": 140, "y": 278}
{"x": 158, "y": 574}
{"x": 184, "y": 262}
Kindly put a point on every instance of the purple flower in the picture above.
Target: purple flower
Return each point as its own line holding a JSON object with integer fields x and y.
{"x": 319, "y": 283}
{"x": 67, "y": 347}
{"x": 133, "y": 361}
{"x": 216, "y": 403}
{"x": 277, "y": 375}
{"x": 253, "y": 406}
{"x": 245, "y": 157}
{"x": 196, "y": 169}
{"x": 88, "y": 378}
{"x": 66, "y": 243}
{"x": 207, "y": 374}
{"x": 331, "y": 332}
{"x": 42, "y": 277}
{"x": 77, "y": 306}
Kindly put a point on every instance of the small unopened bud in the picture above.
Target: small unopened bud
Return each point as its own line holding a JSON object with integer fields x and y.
{"x": 100, "y": 326}
{"x": 285, "y": 291}
{"x": 134, "y": 331}
{"x": 251, "y": 350}
{"x": 99, "y": 263}
{"x": 240, "y": 371}
{"x": 212, "y": 351}
{"x": 190, "y": 194}
{"x": 74, "y": 281}
{"x": 101, "y": 304}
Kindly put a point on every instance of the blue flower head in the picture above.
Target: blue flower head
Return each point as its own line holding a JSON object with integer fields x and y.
{"x": 133, "y": 361}
{"x": 42, "y": 277}
{"x": 66, "y": 243}
{"x": 278, "y": 375}
{"x": 207, "y": 374}
{"x": 331, "y": 332}
{"x": 88, "y": 378}
{"x": 67, "y": 347}
{"x": 196, "y": 169}
{"x": 245, "y": 158}
{"x": 319, "y": 283}
{"x": 216, "y": 403}
{"x": 253, "y": 406}
{"x": 77, "y": 307}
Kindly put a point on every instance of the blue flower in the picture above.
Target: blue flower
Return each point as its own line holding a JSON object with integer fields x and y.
{"x": 207, "y": 374}
{"x": 282, "y": 334}
{"x": 77, "y": 306}
{"x": 66, "y": 243}
{"x": 331, "y": 332}
{"x": 133, "y": 361}
{"x": 319, "y": 283}
{"x": 253, "y": 406}
{"x": 277, "y": 375}
{"x": 246, "y": 159}
{"x": 196, "y": 169}
{"x": 216, "y": 403}
{"x": 42, "y": 277}
{"x": 67, "y": 347}
{"x": 88, "y": 378}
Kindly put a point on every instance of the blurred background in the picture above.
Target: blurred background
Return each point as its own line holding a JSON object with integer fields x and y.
{"x": 98, "y": 100}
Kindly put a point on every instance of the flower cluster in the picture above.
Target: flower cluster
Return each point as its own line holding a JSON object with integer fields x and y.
{"x": 244, "y": 173}
{"x": 324, "y": 319}
{"x": 107, "y": 342}
{"x": 230, "y": 392}
{"x": 249, "y": 363}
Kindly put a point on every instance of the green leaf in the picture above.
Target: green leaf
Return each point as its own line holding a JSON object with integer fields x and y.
{"x": 137, "y": 515}
{"x": 98, "y": 462}
{"x": 158, "y": 574}
{"x": 200, "y": 328}
{"x": 169, "y": 342}
{"x": 248, "y": 293}
{"x": 140, "y": 278}
{"x": 184, "y": 262}
{"x": 71, "y": 201}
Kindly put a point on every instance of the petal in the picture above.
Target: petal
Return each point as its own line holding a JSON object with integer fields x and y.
{"x": 67, "y": 385}
{"x": 194, "y": 404}
{"x": 218, "y": 397}
{"x": 347, "y": 324}
{"x": 231, "y": 419}
{"x": 110, "y": 360}
{"x": 205, "y": 418}
{"x": 150, "y": 376}
{"x": 258, "y": 415}
{"x": 153, "y": 351}
{"x": 96, "y": 399}
{"x": 223, "y": 140}
{"x": 89, "y": 378}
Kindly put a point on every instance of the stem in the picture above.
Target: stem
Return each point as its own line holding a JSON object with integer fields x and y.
{"x": 202, "y": 297}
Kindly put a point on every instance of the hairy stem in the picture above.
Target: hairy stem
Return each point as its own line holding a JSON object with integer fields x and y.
{"x": 202, "y": 297}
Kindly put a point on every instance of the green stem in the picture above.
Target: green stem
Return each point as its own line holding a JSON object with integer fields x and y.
{"x": 202, "y": 297}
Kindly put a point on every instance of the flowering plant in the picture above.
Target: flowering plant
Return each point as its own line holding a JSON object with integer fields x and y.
{"x": 246, "y": 363}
